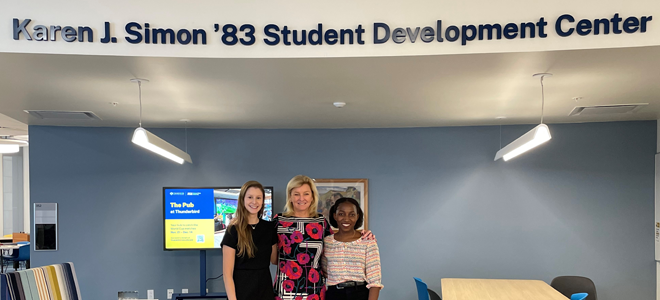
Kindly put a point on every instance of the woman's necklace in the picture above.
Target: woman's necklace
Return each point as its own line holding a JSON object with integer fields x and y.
{"x": 254, "y": 226}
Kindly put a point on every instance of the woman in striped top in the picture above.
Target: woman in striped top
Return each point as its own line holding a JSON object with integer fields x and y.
{"x": 351, "y": 264}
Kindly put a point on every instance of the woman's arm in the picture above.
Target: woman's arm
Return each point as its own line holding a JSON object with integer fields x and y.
{"x": 275, "y": 240}
{"x": 324, "y": 263}
{"x": 372, "y": 270}
{"x": 273, "y": 255}
{"x": 228, "y": 260}
{"x": 373, "y": 293}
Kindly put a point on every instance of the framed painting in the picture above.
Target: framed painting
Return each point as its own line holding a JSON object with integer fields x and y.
{"x": 332, "y": 189}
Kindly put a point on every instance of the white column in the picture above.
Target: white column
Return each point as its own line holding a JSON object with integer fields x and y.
{"x": 27, "y": 206}
{"x": 2, "y": 197}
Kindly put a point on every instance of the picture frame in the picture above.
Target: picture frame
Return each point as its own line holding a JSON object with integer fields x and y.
{"x": 331, "y": 189}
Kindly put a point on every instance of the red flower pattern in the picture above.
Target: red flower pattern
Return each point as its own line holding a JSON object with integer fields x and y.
{"x": 313, "y": 297}
{"x": 286, "y": 224}
{"x": 303, "y": 258}
{"x": 283, "y": 266}
{"x": 314, "y": 230}
{"x": 296, "y": 274}
{"x": 293, "y": 270}
{"x": 284, "y": 240}
{"x": 288, "y": 285}
{"x": 313, "y": 276}
{"x": 297, "y": 237}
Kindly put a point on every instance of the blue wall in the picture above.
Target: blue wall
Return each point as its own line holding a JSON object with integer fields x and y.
{"x": 439, "y": 206}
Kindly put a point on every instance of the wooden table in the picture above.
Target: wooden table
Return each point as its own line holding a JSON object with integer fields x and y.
{"x": 497, "y": 289}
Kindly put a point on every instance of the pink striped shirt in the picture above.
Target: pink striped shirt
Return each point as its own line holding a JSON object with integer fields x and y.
{"x": 351, "y": 261}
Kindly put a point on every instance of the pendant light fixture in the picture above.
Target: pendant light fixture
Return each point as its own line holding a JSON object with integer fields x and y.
{"x": 151, "y": 142}
{"x": 9, "y": 145}
{"x": 535, "y": 137}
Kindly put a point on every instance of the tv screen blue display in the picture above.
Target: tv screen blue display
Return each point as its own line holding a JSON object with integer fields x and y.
{"x": 197, "y": 218}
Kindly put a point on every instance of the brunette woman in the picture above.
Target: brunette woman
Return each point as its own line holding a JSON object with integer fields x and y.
{"x": 247, "y": 247}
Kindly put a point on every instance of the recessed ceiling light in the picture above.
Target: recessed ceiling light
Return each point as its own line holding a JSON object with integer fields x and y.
{"x": 339, "y": 104}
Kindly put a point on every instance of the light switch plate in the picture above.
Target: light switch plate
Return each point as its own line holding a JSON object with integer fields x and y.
{"x": 184, "y": 291}
{"x": 150, "y": 294}
{"x": 169, "y": 293}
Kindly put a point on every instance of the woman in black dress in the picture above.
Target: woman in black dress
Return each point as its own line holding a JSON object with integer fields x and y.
{"x": 247, "y": 247}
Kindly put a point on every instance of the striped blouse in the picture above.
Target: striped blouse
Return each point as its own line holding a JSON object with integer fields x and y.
{"x": 351, "y": 261}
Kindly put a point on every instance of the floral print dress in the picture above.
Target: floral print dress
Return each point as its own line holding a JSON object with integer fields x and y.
{"x": 300, "y": 248}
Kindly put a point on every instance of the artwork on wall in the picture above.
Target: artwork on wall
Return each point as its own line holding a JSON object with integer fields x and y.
{"x": 332, "y": 189}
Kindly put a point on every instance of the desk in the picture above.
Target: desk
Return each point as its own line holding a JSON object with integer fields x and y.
{"x": 497, "y": 289}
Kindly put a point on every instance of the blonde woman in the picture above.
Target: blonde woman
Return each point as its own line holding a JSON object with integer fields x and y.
{"x": 300, "y": 231}
{"x": 247, "y": 248}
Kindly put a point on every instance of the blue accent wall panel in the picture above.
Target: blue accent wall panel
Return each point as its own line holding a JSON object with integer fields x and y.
{"x": 582, "y": 204}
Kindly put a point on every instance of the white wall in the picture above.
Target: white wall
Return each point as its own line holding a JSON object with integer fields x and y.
{"x": 305, "y": 14}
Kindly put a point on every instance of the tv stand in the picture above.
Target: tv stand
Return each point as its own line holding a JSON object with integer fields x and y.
{"x": 202, "y": 284}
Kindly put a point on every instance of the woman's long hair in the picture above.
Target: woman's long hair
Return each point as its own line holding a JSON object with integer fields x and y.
{"x": 297, "y": 182}
{"x": 245, "y": 242}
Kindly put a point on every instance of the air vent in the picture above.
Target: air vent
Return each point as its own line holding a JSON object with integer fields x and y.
{"x": 606, "y": 109}
{"x": 63, "y": 115}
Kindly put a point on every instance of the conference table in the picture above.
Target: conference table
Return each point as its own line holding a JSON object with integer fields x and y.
{"x": 497, "y": 289}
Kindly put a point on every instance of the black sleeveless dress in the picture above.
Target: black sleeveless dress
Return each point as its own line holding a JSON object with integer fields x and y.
{"x": 252, "y": 279}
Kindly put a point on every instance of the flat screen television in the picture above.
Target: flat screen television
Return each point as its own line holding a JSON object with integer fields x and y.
{"x": 196, "y": 218}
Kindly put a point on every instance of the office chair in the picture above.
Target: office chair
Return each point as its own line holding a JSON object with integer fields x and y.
{"x": 579, "y": 296}
{"x": 22, "y": 254}
{"x": 423, "y": 292}
{"x": 569, "y": 285}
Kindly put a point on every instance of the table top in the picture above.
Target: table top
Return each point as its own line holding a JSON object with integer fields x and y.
{"x": 10, "y": 246}
{"x": 497, "y": 289}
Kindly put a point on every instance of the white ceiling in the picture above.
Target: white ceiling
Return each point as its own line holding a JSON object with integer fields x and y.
{"x": 418, "y": 91}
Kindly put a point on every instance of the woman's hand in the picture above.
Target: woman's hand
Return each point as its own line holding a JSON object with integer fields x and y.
{"x": 368, "y": 235}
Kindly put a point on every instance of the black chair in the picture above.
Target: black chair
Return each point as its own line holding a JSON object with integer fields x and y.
{"x": 423, "y": 292}
{"x": 433, "y": 295}
{"x": 569, "y": 285}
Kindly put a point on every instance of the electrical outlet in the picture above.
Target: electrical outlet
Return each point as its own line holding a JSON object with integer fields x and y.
{"x": 184, "y": 291}
{"x": 207, "y": 291}
{"x": 150, "y": 294}
{"x": 169, "y": 293}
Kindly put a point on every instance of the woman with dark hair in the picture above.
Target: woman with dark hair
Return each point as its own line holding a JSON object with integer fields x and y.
{"x": 301, "y": 230}
{"x": 247, "y": 247}
{"x": 351, "y": 264}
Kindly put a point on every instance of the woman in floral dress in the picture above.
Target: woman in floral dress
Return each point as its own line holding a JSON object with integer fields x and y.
{"x": 300, "y": 231}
